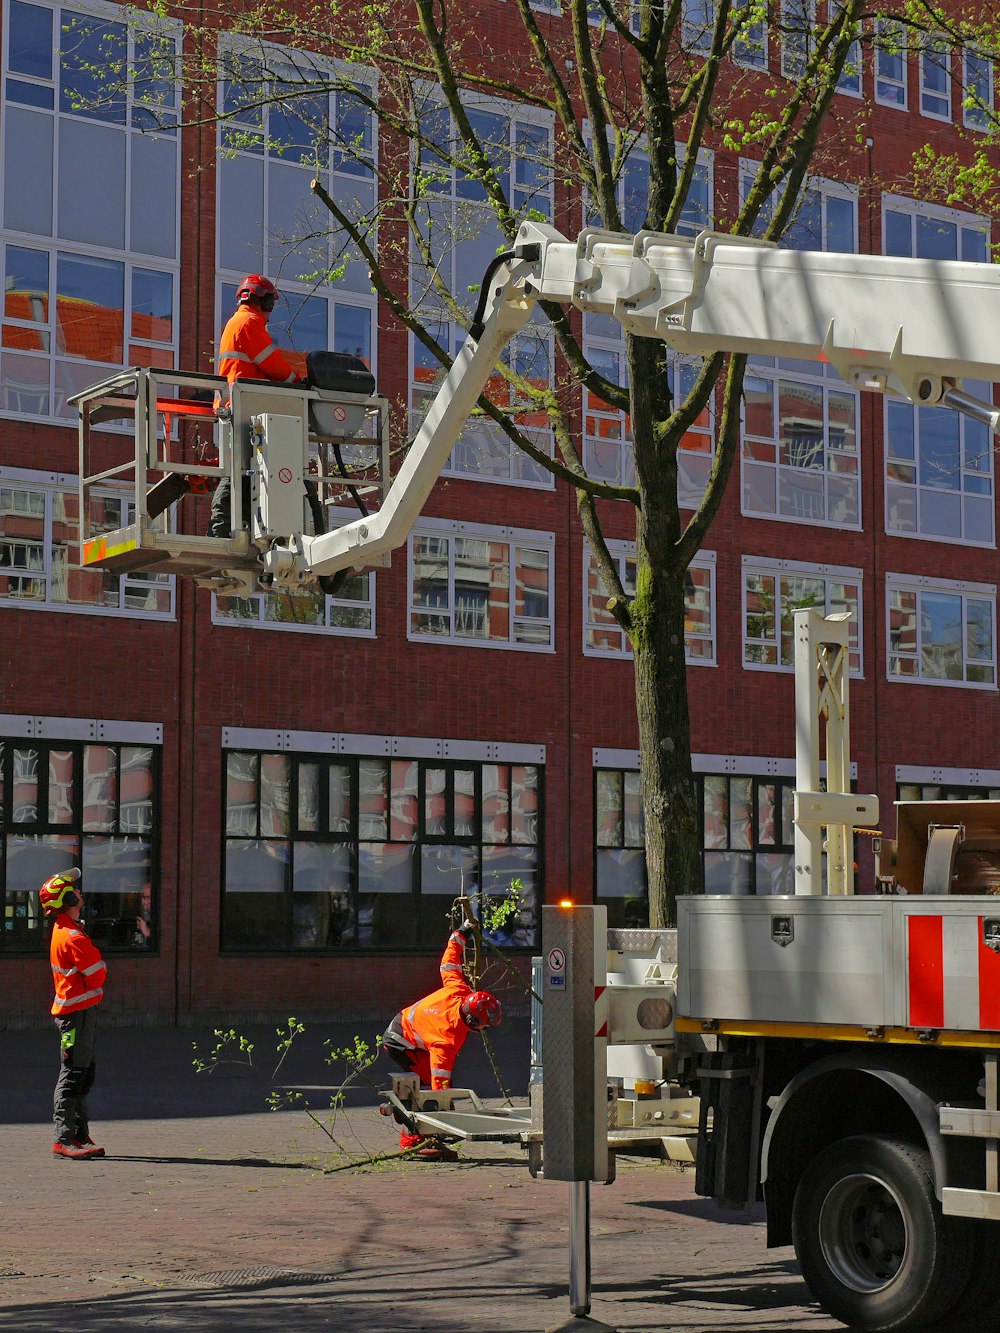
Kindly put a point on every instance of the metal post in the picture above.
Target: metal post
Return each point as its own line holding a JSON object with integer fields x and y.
{"x": 579, "y": 1247}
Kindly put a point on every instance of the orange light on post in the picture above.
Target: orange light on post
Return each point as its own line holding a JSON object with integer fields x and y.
{"x": 565, "y": 902}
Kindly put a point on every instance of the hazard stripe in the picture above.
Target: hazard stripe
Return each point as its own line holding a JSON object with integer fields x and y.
{"x": 989, "y": 984}
{"x": 98, "y": 549}
{"x": 925, "y": 970}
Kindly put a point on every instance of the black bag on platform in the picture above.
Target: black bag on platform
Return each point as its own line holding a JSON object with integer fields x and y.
{"x": 340, "y": 372}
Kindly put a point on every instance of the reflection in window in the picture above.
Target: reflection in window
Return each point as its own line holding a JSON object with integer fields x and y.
{"x": 372, "y": 851}
{"x": 772, "y": 593}
{"x": 939, "y": 463}
{"x": 459, "y": 235}
{"x": 935, "y": 79}
{"x": 494, "y": 590}
{"x": 40, "y": 555}
{"x": 941, "y": 634}
{"x": 73, "y": 117}
{"x": 890, "y": 62}
{"x": 90, "y": 805}
{"x": 977, "y": 90}
{"x": 604, "y": 637}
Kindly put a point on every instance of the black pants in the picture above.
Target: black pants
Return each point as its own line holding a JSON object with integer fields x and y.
{"x": 221, "y": 524}
{"x": 77, "y": 1066}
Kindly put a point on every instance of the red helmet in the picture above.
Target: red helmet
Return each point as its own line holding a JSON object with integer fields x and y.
{"x": 57, "y": 892}
{"x": 481, "y": 1010}
{"x": 263, "y": 289}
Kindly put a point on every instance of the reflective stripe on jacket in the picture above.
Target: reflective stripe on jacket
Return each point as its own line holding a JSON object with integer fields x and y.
{"x": 435, "y": 1024}
{"x": 78, "y": 969}
{"x": 247, "y": 351}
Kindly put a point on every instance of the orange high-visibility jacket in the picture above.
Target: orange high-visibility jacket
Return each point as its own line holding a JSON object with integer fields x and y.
{"x": 248, "y": 352}
{"x": 435, "y": 1024}
{"x": 78, "y": 969}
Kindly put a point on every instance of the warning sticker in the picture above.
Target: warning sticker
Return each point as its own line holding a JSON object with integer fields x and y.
{"x": 557, "y": 960}
{"x": 285, "y": 474}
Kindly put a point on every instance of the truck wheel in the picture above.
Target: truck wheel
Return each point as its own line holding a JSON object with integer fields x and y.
{"x": 870, "y": 1238}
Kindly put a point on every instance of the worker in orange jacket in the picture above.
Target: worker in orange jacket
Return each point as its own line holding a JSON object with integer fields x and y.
{"x": 426, "y": 1037}
{"x": 78, "y": 971}
{"x": 248, "y": 352}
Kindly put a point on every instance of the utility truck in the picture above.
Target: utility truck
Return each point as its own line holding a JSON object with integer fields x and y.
{"x": 844, "y": 1047}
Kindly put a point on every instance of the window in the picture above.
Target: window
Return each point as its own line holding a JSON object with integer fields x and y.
{"x": 850, "y": 76}
{"x": 801, "y": 451}
{"x": 64, "y": 803}
{"x": 935, "y": 79}
{"x": 939, "y": 463}
{"x": 604, "y": 637}
{"x": 368, "y": 853}
{"x": 940, "y": 632}
{"x": 774, "y": 590}
{"x": 697, "y": 25}
{"x": 977, "y": 91}
{"x": 86, "y": 289}
{"x": 747, "y": 839}
{"x": 890, "y": 63}
{"x": 268, "y": 219}
{"x": 40, "y": 552}
{"x": 487, "y": 586}
{"x": 750, "y": 48}
{"x": 459, "y": 232}
{"x": 798, "y": 18}
{"x": 937, "y": 791}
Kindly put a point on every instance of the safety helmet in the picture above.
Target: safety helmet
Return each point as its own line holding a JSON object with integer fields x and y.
{"x": 481, "y": 1010}
{"x": 57, "y": 892}
{"x": 263, "y": 289}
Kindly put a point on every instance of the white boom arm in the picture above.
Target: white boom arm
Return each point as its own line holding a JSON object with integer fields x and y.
{"x": 911, "y": 327}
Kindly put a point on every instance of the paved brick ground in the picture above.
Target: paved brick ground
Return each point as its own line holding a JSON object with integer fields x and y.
{"x": 222, "y": 1222}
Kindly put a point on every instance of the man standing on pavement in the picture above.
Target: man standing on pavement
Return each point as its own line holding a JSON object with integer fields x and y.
{"x": 426, "y": 1037}
{"x": 248, "y": 352}
{"x": 78, "y": 972}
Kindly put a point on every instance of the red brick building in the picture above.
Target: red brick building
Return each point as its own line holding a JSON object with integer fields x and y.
{"x": 273, "y": 800}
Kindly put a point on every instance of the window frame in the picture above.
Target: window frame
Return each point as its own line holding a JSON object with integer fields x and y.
{"x": 48, "y": 485}
{"x": 512, "y": 538}
{"x": 621, "y": 552}
{"x": 919, "y": 584}
{"x": 977, "y": 112}
{"x": 887, "y": 81}
{"x": 777, "y": 569}
{"x": 934, "y": 53}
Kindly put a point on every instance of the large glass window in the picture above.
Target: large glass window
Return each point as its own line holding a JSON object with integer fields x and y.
{"x": 798, "y": 19}
{"x": 456, "y": 236}
{"x": 774, "y": 590}
{"x": 365, "y": 853}
{"x": 486, "y": 586}
{"x": 86, "y": 288}
{"x": 747, "y": 839}
{"x": 890, "y": 63}
{"x": 941, "y": 633}
{"x": 938, "y": 462}
{"x": 93, "y": 806}
{"x": 935, "y": 79}
{"x": 604, "y": 637}
{"x": 40, "y": 553}
{"x": 977, "y": 91}
{"x": 269, "y": 219}
{"x": 801, "y": 454}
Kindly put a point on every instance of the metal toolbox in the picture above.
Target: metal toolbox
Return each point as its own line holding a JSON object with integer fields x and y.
{"x": 875, "y": 962}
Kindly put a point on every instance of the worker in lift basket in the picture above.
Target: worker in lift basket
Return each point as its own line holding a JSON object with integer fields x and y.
{"x": 425, "y": 1038}
{"x": 247, "y": 352}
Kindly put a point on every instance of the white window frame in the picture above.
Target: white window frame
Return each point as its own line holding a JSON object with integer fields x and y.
{"x": 776, "y": 569}
{"x": 745, "y": 55}
{"x": 972, "y": 222}
{"x": 889, "y": 81}
{"x": 511, "y": 538}
{"x": 977, "y": 112}
{"x": 334, "y": 296}
{"x": 935, "y": 55}
{"x": 854, "y": 58}
{"x": 919, "y": 584}
{"x": 53, "y": 245}
{"x": 793, "y": 58}
{"x": 48, "y": 485}
{"x": 542, "y": 436}
{"x": 621, "y": 552}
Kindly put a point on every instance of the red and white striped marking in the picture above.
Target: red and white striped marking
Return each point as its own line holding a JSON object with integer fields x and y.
{"x": 953, "y": 979}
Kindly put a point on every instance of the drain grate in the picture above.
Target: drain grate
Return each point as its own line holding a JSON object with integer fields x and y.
{"x": 260, "y": 1276}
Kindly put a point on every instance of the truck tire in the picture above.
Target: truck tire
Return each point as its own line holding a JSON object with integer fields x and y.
{"x": 870, "y": 1238}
